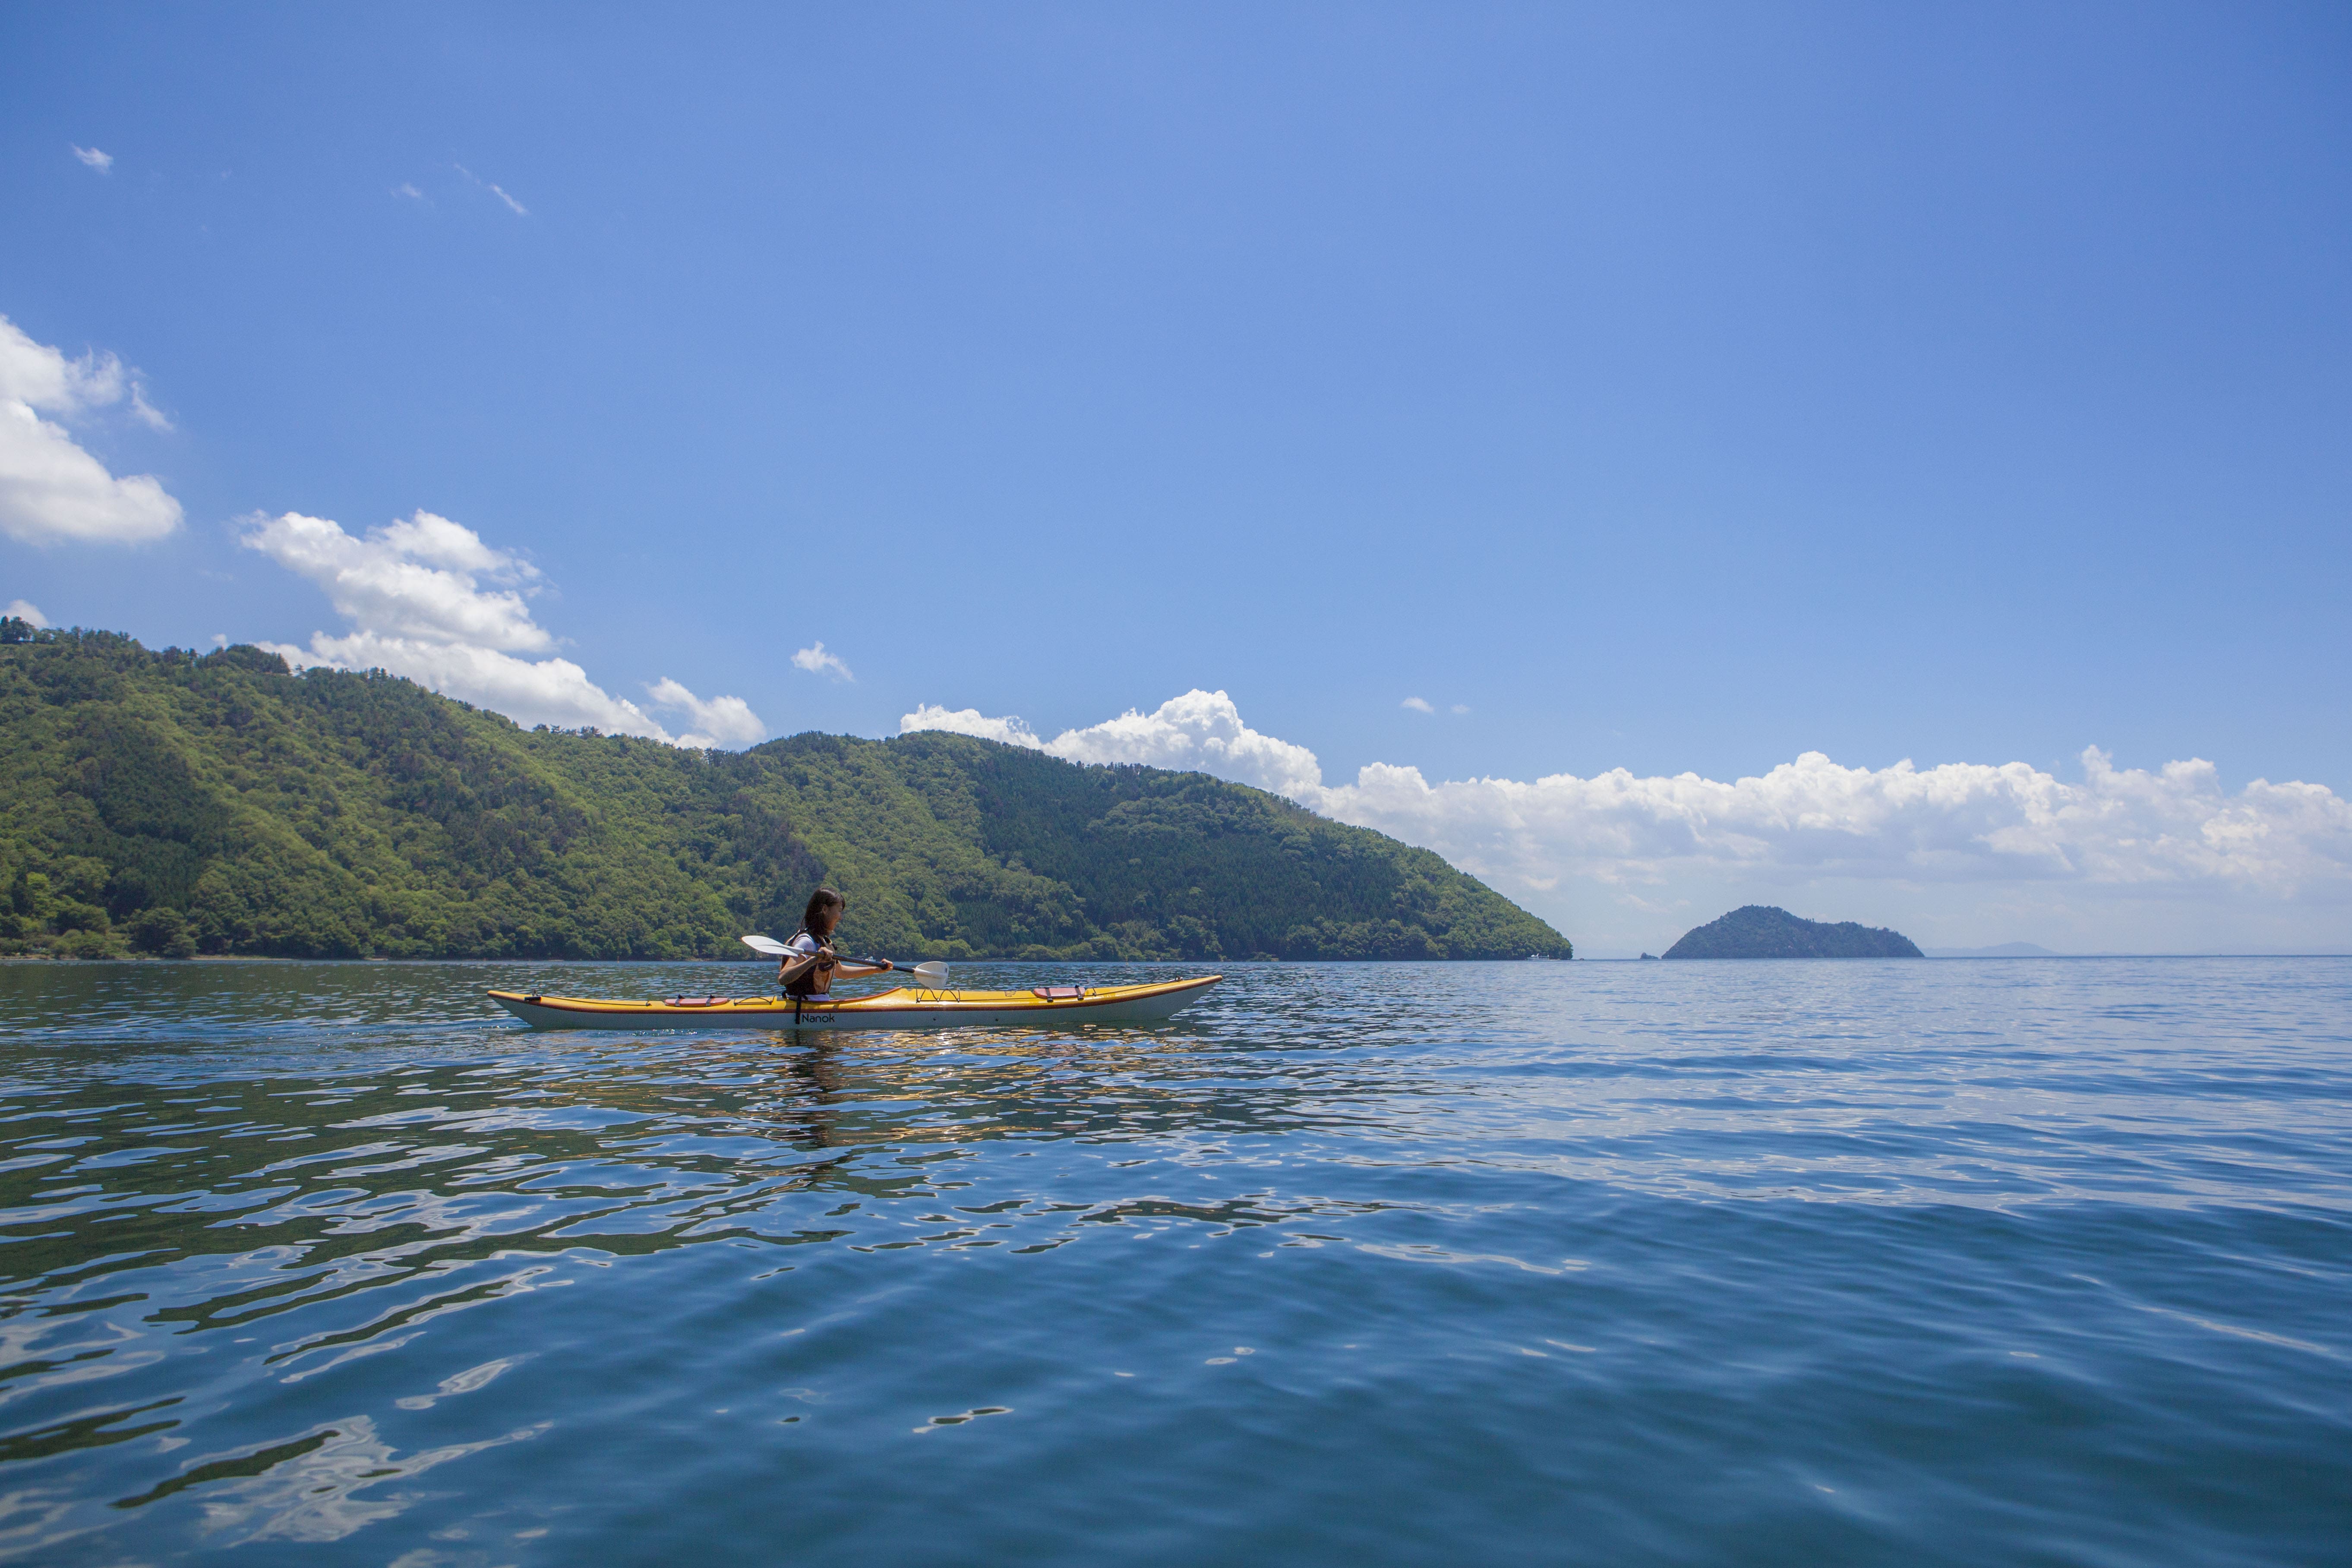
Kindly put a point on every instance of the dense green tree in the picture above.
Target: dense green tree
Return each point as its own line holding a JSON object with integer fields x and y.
{"x": 1762, "y": 930}
{"x": 164, "y": 803}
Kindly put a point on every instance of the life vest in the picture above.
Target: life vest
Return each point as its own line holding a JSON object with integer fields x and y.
{"x": 806, "y": 985}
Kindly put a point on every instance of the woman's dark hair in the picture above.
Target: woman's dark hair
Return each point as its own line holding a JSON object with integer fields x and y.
{"x": 824, "y": 899}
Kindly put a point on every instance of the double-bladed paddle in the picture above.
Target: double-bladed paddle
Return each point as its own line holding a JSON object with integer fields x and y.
{"x": 932, "y": 974}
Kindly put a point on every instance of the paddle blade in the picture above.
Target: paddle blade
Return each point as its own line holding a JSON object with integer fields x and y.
{"x": 930, "y": 974}
{"x": 768, "y": 945}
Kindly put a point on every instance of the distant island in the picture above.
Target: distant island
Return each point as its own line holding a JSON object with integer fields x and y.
{"x": 171, "y": 804}
{"x": 1759, "y": 931}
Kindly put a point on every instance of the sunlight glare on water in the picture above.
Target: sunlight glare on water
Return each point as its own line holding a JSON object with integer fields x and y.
{"x": 1925, "y": 1262}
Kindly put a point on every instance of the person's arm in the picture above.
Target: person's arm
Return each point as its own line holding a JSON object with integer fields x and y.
{"x": 801, "y": 963}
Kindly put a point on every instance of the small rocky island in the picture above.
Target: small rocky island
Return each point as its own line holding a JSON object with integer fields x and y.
{"x": 1759, "y": 931}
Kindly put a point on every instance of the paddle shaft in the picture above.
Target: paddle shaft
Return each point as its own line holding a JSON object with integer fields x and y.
{"x": 920, "y": 971}
{"x": 773, "y": 949}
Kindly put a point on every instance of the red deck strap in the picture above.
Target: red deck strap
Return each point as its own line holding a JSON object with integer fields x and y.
{"x": 1058, "y": 993}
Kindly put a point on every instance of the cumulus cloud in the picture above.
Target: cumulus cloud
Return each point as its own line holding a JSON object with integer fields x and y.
{"x": 51, "y": 491}
{"x": 817, "y": 661}
{"x": 724, "y": 720}
{"x": 94, "y": 159}
{"x": 1636, "y": 858}
{"x": 429, "y": 600}
{"x": 420, "y": 579}
{"x": 27, "y": 611}
{"x": 1200, "y": 731}
{"x": 1958, "y": 822}
{"x": 530, "y": 691}
{"x": 970, "y": 721}
{"x": 1418, "y": 704}
{"x": 1203, "y": 730}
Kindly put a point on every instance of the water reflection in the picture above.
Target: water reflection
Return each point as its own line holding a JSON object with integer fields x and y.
{"x": 285, "y": 1194}
{"x": 309, "y": 1489}
{"x": 276, "y": 1241}
{"x": 301, "y": 1222}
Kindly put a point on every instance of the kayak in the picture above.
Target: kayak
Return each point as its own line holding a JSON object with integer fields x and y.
{"x": 906, "y": 1007}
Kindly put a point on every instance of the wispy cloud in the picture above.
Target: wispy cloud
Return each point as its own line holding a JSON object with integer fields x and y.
{"x": 407, "y": 188}
{"x": 817, "y": 661}
{"x": 95, "y": 159}
{"x": 1418, "y": 704}
{"x": 26, "y": 610}
{"x": 428, "y": 599}
{"x": 499, "y": 191}
{"x": 146, "y": 412}
{"x": 51, "y": 491}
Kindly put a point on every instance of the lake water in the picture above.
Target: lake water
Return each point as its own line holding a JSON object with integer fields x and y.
{"x": 1931, "y": 1262}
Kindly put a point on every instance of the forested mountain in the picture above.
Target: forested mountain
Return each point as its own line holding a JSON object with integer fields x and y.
{"x": 172, "y": 804}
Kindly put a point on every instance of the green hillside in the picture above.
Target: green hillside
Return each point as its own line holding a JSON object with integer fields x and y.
{"x": 1760, "y": 930}
{"x": 169, "y": 804}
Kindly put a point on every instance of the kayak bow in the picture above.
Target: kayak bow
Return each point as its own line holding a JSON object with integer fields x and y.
{"x": 907, "y": 1007}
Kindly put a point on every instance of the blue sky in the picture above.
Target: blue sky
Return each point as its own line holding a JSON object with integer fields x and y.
{"x": 1675, "y": 389}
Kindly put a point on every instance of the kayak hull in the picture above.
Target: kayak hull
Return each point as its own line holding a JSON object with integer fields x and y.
{"x": 904, "y": 1008}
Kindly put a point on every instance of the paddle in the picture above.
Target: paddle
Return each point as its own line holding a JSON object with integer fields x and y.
{"x": 932, "y": 975}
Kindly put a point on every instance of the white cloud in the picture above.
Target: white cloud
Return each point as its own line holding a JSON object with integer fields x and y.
{"x": 95, "y": 159}
{"x": 530, "y": 691}
{"x": 724, "y": 720}
{"x": 817, "y": 661}
{"x": 429, "y": 600}
{"x": 1201, "y": 730}
{"x": 51, "y": 488}
{"x": 27, "y": 611}
{"x": 146, "y": 412}
{"x": 1958, "y": 822}
{"x": 970, "y": 722}
{"x": 1462, "y": 708}
{"x": 419, "y": 579}
{"x": 407, "y": 189}
{"x": 513, "y": 206}
{"x": 1418, "y": 704}
{"x": 2162, "y": 858}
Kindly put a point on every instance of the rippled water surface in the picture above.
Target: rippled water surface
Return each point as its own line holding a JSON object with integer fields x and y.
{"x": 1992, "y": 1262}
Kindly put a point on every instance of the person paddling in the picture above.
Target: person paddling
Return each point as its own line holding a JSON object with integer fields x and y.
{"x": 809, "y": 970}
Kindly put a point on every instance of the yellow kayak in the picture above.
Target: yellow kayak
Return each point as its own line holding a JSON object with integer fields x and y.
{"x": 907, "y": 1007}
